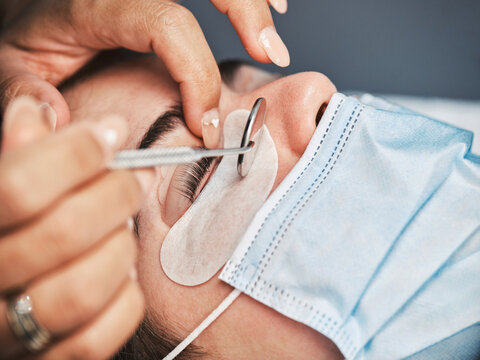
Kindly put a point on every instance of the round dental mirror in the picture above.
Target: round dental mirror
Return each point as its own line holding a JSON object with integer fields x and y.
{"x": 255, "y": 121}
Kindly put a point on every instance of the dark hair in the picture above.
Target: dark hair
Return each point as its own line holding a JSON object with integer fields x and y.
{"x": 151, "y": 341}
{"x": 102, "y": 61}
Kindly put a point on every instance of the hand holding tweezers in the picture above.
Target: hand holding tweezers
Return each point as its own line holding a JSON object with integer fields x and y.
{"x": 129, "y": 159}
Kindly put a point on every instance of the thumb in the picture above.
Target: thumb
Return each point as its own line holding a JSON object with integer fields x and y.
{"x": 17, "y": 84}
{"x": 25, "y": 121}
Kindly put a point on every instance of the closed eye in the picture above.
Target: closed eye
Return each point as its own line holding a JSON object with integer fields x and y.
{"x": 191, "y": 177}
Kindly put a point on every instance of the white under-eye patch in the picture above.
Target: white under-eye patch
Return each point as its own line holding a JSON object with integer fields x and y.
{"x": 200, "y": 242}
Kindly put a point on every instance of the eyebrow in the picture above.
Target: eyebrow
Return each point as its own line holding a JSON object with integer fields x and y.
{"x": 164, "y": 124}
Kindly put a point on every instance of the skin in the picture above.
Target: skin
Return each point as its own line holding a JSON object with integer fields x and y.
{"x": 43, "y": 42}
{"x": 140, "y": 91}
{"x": 64, "y": 238}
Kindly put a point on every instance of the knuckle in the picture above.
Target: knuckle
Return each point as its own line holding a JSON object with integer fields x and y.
{"x": 81, "y": 300}
{"x": 206, "y": 85}
{"x": 124, "y": 253}
{"x": 60, "y": 239}
{"x": 10, "y": 87}
{"x": 74, "y": 10}
{"x": 137, "y": 301}
{"x": 84, "y": 151}
{"x": 90, "y": 344}
{"x": 128, "y": 187}
{"x": 207, "y": 77}
{"x": 89, "y": 347}
{"x": 14, "y": 192}
{"x": 170, "y": 16}
{"x": 129, "y": 247}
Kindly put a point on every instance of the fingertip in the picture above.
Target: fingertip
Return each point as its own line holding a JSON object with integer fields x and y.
{"x": 274, "y": 47}
{"x": 111, "y": 133}
{"x": 25, "y": 121}
{"x": 58, "y": 111}
{"x": 43, "y": 92}
{"x": 18, "y": 105}
{"x": 49, "y": 114}
{"x": 280, "y": 6}
{"x": 211, "y": 129}
{"x": 200, "y": 101}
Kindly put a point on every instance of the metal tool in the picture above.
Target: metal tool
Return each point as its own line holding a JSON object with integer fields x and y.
{"x": 142, "y": 158}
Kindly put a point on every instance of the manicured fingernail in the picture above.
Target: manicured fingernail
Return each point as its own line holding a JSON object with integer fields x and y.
{"x": 274, "y": 47}
{"x": 23, "y": 112}
{"x": 50, "y": 115}
{"x": 279, "y": 5}
{"x": 111, "y": 133}
{"x": 133, "y": 274}
{"x": 211, "y": 129}
{"x": 145, "y": 178}
{"x": 130, "y": 224}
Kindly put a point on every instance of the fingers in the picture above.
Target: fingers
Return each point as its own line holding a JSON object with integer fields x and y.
{"x": 254, "y": 24}
{"x": 18, "y": 81}
{"x": 35, "y": 176}
{"x": 172, "y": 32}
{"x": 102, "y": 337}
{"x": 179, "y": 41}
{"x": 26, "y": 121}
{"x": 279, "y": 5}
{"x": 74, "y": 294}
{"x": 72, "y": 227}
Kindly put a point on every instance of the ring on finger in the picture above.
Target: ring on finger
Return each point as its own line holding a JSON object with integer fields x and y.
{"x": 24, "y": 325}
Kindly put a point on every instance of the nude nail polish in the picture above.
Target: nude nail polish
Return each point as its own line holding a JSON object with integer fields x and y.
{"x": 280, "y": 6}
{"x": 111, "y": 133}
{"x": 130, "y": 223}
{"x": 23, "y": 112}
{"x": 145, "y": 178}
{"x": 49, "y": 115}
{"x": 133, "y": 274}
{"x": 211, "y": 129}
{"x": 274, "y": 47}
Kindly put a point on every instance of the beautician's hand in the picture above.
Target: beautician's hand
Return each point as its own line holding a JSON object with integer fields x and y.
{"x": 64, "y": 235}
{"x": 50, "y": 40}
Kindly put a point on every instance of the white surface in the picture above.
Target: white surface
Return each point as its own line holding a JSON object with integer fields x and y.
{"x": 461, "y": 113}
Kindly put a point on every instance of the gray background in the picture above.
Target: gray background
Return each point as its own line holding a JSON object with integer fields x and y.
{"x": 414, "y": 47}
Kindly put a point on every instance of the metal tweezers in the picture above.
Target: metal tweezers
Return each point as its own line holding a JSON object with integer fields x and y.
{"x": 129, "y": 159}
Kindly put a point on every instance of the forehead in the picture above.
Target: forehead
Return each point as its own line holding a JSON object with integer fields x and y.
{"x": 138, "y": 90}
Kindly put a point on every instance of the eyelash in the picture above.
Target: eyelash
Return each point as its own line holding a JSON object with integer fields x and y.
{"x": 191, "y": 177}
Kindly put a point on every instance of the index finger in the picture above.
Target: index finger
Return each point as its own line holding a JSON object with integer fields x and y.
{"x": 173, "y": 33}
{"x": 179, "y": 41}
{"x": 33, "y": 177}
{"x": 253, "y": 23}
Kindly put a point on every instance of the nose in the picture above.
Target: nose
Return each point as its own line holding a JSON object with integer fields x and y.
{"x": 294, "y": 105}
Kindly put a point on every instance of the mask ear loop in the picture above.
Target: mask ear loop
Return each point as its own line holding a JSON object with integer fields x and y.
{"x": 204, "y": 324}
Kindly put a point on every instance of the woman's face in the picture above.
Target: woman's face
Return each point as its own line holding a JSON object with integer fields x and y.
{"x": 142, "y": 91}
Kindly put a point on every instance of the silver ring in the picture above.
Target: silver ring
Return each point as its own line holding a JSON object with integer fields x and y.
{"x": 23, "y": 324}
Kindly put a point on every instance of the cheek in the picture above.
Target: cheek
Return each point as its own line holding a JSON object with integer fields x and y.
{"x": 175, "y": 307}
{"x": 202, "y": 241}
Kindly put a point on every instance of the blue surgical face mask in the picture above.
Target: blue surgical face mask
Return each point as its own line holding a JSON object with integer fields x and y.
{"x": 373, "y": 239}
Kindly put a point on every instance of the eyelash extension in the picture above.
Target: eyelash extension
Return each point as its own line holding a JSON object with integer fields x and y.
{"x": 192, "y": 175}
